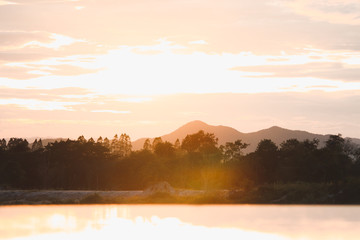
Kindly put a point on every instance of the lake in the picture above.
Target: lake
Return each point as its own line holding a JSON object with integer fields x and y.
{"x": 268, "y": 222}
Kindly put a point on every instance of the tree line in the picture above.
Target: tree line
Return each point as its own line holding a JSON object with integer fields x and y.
{"x": 196, "y": 162}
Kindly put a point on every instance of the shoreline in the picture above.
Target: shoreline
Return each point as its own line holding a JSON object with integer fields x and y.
{"x": 262, "y": 195}
{"x": 40, "y": 197}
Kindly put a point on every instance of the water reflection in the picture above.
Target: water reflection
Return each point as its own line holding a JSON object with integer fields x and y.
{"x": 179, "y": 222}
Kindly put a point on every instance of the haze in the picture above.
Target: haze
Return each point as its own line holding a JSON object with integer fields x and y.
{"x": 76, "y": 67}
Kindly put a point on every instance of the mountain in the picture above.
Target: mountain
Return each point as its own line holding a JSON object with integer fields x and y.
{"x": 228, "y": 134}
{"x": 223, "y": 133}
{"x": 45, "y": 141}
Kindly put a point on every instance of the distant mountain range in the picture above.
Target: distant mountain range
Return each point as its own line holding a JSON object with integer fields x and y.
{"x": 45, "y": 141}
{"x": 228, "y": 134}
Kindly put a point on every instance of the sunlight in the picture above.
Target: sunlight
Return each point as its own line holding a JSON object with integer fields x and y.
{"x": 163, "y": 69}
{"x": 112, "y": 226}
{"x": 198, "y": 42}
{"x": 33, "y": 104}
{"x": 61, "y": 222}
{"x": 2, "y": 2}
{"x": 58, "y": 41}
{"x": 134, "y": 99}
{"x": 111, "y": 111}
{"x": 126, "y": 70}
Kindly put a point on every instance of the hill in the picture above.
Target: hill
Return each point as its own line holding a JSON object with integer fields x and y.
{"x": 228, "y": 134}
{"x": 45, "y": 141}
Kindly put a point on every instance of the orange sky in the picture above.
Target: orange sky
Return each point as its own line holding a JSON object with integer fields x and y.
{"x": 91, "y": 67}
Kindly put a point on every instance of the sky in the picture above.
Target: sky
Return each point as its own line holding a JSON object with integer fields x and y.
{"x": 146, "y": 67}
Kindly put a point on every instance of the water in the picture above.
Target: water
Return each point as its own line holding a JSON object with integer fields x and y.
{"x": 268, "y": 222}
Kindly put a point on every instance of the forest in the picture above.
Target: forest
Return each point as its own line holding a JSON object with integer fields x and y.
{"x": 196, "y": 162}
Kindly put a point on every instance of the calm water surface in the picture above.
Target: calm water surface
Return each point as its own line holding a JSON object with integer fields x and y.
{"x": 180, "y": 222}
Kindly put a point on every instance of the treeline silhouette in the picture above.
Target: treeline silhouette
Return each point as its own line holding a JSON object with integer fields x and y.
{"x": 197, "y": 162}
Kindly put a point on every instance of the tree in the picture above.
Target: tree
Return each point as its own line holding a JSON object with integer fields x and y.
{"x": 336, "y": 162}
{"x": 81, "y": 139}
{"x": 352, "y": 150}
{"x": 2, "y": 145}
{"x": 99, "y": 140}
{"x": 177, "y": 144}
{"x": 335, "y": 144}
{"x": 37, "y": 145}
{"x": 202, "y": 149}
{"x": 289, "y": 145}
{"x": 125, "y": 144}
{"x": 164, "y": 149}
{"x": 147, "y": 145}
{"x": 156, "y": 141}
{"x": 106, "y": 143}
{"x": 121, "y": 146}
{"x": 265, "y": 161}
{"x": 232, "y": 151}
{"x": 114, "y": 145}
{"x": 298, "y": 160}
{"x": 200, "y": 142}
{"x": 266, "y": 147}
{"x": 18, "y": 145}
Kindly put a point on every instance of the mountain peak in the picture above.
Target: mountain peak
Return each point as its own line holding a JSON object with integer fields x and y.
{"x": 276, "y": 128}
{"x": 192, "y": 127}
{"x": 195, "y": 123}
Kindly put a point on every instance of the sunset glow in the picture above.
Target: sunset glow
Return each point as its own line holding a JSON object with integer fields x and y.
{"x": 71, "y": 68}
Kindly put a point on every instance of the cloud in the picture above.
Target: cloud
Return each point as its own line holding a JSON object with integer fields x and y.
{"x": 71, "y": 99}
{"x": 331, "y": 11}
{"x": 43, "y": 43}
{"x": 31, "y": 71}
{"x": 56, "y": 94}
{"x": 32, "y": 104}
{"x": 57, "y": 41}
{"x": 315, "y": 111}
{"x": 28, "y": 2}
{"x": 19, "y": 39}
{"x": 69, "y": 70}
{"x": 16, "y": 73}
{"x": 20, "y": 56}
{"x": 2, "y": 3}
{"x": 198, "y": 42}
{"x": 231, "y": 26}
{"x": 323, "y": 70}
{"x": 123, "y": 71}
{"x": 111, "y": 111}
{"x": 27, "y": 55}
{"x": 142, "y": 15}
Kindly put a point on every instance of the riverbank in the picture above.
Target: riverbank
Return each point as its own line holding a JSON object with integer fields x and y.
{"x": 24, "y": 197}
{"x": 291, "y": 193}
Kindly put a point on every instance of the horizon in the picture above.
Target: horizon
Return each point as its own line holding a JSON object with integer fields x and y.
{"x": 33, "y": 138}
{"x": 142, "y": 68}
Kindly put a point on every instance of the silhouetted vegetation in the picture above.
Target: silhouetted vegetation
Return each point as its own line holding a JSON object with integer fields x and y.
{"x": 293, "y": 170}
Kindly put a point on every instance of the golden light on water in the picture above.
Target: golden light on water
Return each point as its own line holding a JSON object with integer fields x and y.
{"x": 179, "y": 222}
